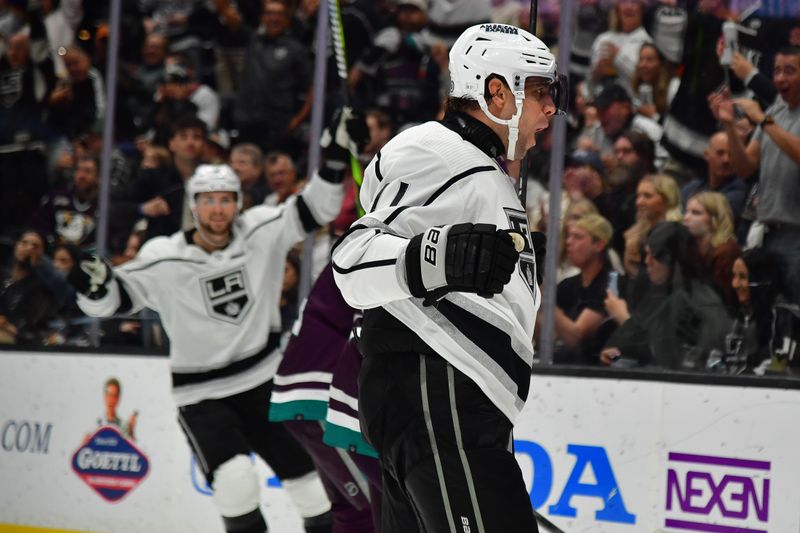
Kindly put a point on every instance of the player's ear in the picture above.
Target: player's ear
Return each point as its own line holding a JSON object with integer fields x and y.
{"x": 496, "y": 92}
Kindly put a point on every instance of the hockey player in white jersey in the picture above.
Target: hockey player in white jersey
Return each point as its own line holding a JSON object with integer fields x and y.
{"x": 217, "y": 289}
{"x": 450, "y": 299}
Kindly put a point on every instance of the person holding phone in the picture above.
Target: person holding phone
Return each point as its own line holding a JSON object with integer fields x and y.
{"x": 579, "y": 301}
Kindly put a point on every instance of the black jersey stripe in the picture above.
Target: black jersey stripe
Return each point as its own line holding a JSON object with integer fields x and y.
{"x": 378, "y": 197}
{"x": 180, "y": 379}
{"x": 378, "y": 166}
{"x": 163, "y": 260}
{"x": 493, "y": 341}
{"x": 452, "y": 181}
{"x": 455, "y": 179}
{"x": 263, "y": 223}
{"x": 399, "y": 196}
{"x": 309, "y": 222}
{"x": 362, "y": 266}
{"x": 395, "y": 214}
{"x": 346, "y": 234}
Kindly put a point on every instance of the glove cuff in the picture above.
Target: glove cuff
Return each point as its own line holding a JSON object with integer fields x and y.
{"x": 332, "y": 173}
{"x": 425, "y": 261}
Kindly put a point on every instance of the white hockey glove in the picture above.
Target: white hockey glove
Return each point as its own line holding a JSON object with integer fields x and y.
{"x": 346, "y": 134}
{"x": 477, "y": 258}
{"x": 91, "y": 276}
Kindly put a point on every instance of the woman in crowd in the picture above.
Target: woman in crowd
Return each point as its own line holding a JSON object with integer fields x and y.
{"x": 672, "y": 318}
{"x": 653, "y": 84}
{"x": 657, "y": 200}
{"x": 709, "y": 220}
{"x": 766, "y": 330}
{"x": 615, "y": 52}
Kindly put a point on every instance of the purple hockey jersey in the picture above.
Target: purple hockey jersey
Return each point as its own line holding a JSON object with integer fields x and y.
{"x": 301, "y": 386}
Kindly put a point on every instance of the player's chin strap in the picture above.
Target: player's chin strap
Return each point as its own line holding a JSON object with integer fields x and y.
{"x": 512, "y": 123}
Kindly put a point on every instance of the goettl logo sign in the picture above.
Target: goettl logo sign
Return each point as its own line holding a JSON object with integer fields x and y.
{"x": 719, "y": 494}
{"x": 110, "y": 464}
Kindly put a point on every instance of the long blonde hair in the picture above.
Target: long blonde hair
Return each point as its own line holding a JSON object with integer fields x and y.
{"x": 667, "y": 188}
{"x": 720, "y": 215}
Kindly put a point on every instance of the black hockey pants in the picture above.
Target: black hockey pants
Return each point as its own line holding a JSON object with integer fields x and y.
{"x": 445, "y": 449}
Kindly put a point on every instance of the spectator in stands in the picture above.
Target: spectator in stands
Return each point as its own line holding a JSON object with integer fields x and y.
{"x": 139, "y": 82}
{"x": 79, "y": 101}
{"x": 719, "y": 176}
{"x": 180, "y": 95}
{"x": 54, "y": 275}
{"x": 158, "y": 194}
{"x": 281, "y": 177}
{"x": 591, "y": 21}
{"x": 274, "y": 96}
{"x": 61, "y": 20}
{"x": 689, "y": 123}
{"x": 289, "y": 294}
{"x": 766, "y": 326}
{"x": 774, "y": 151}
{"x": 155, "y": 157}
{"x": 189, "y": 87}
{"x": 178, "y": 20}
{"x": 67, "y": 214}
{"x": 616, "y": 113}
{"x": 615, "y": 53}
{"x": 579, "y": 301}
{"x": 380, "y": 131}
{"x": 574, "y": 211}
{"x": 671, "y": 317}
{"x": 653, "y": 84}
{"x": 634, "y": 155}
{"x": 236, "y": 20}
{"x": 26, "y": 80}
{"x": 90, "y": 144}
{"x": 26, "y": 305}
{"x": 584, "y": 174}
{"x": 247, "y": 161}
{"x": 709, "y": 220}
{"x": 657, "y": 200}
{"x": 401, "y": 68}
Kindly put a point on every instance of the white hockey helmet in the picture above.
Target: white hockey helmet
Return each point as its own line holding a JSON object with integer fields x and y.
{"x": 213, "y": 178}
{"x": 506, "y": 51}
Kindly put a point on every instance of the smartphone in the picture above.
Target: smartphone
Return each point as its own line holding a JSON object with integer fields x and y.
{"x": 613, "y": 278}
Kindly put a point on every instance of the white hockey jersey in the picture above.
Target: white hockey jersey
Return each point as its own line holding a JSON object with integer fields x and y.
{"x": 430, "y": 176}
{"x": 221, "y": 309}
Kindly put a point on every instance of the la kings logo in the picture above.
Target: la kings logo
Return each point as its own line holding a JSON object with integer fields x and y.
{"x": 518, "y": 221}
{"x": 227, "y": 296}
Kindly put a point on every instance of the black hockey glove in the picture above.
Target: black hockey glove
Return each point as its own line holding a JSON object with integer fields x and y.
{"x": 477, "y": 258}
{"x": 346, "y": 134}
{"x": 539, "y": 243}
{"x": 91, "y": 276}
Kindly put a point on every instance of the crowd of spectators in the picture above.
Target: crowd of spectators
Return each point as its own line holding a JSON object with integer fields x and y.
{"x": 680, "y": 223}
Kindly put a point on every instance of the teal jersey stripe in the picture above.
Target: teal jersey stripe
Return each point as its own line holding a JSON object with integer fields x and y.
{"x": 298, "y": 410}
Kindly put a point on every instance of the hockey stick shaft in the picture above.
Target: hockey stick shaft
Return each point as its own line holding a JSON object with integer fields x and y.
{"x": 340, "y": 53}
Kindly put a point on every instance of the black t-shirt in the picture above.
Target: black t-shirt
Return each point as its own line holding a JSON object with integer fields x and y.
{"x": 572, "y": 298}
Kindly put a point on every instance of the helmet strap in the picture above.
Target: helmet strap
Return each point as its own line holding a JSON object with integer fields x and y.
{"x": 512, "y": 123}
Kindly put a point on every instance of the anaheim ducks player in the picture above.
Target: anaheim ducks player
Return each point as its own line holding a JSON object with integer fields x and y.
{"x": 449, "y": 301}
{"x": 216, "y": 287}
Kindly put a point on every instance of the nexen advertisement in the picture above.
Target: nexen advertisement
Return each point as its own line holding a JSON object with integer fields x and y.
{"x": 96, "y": 437}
